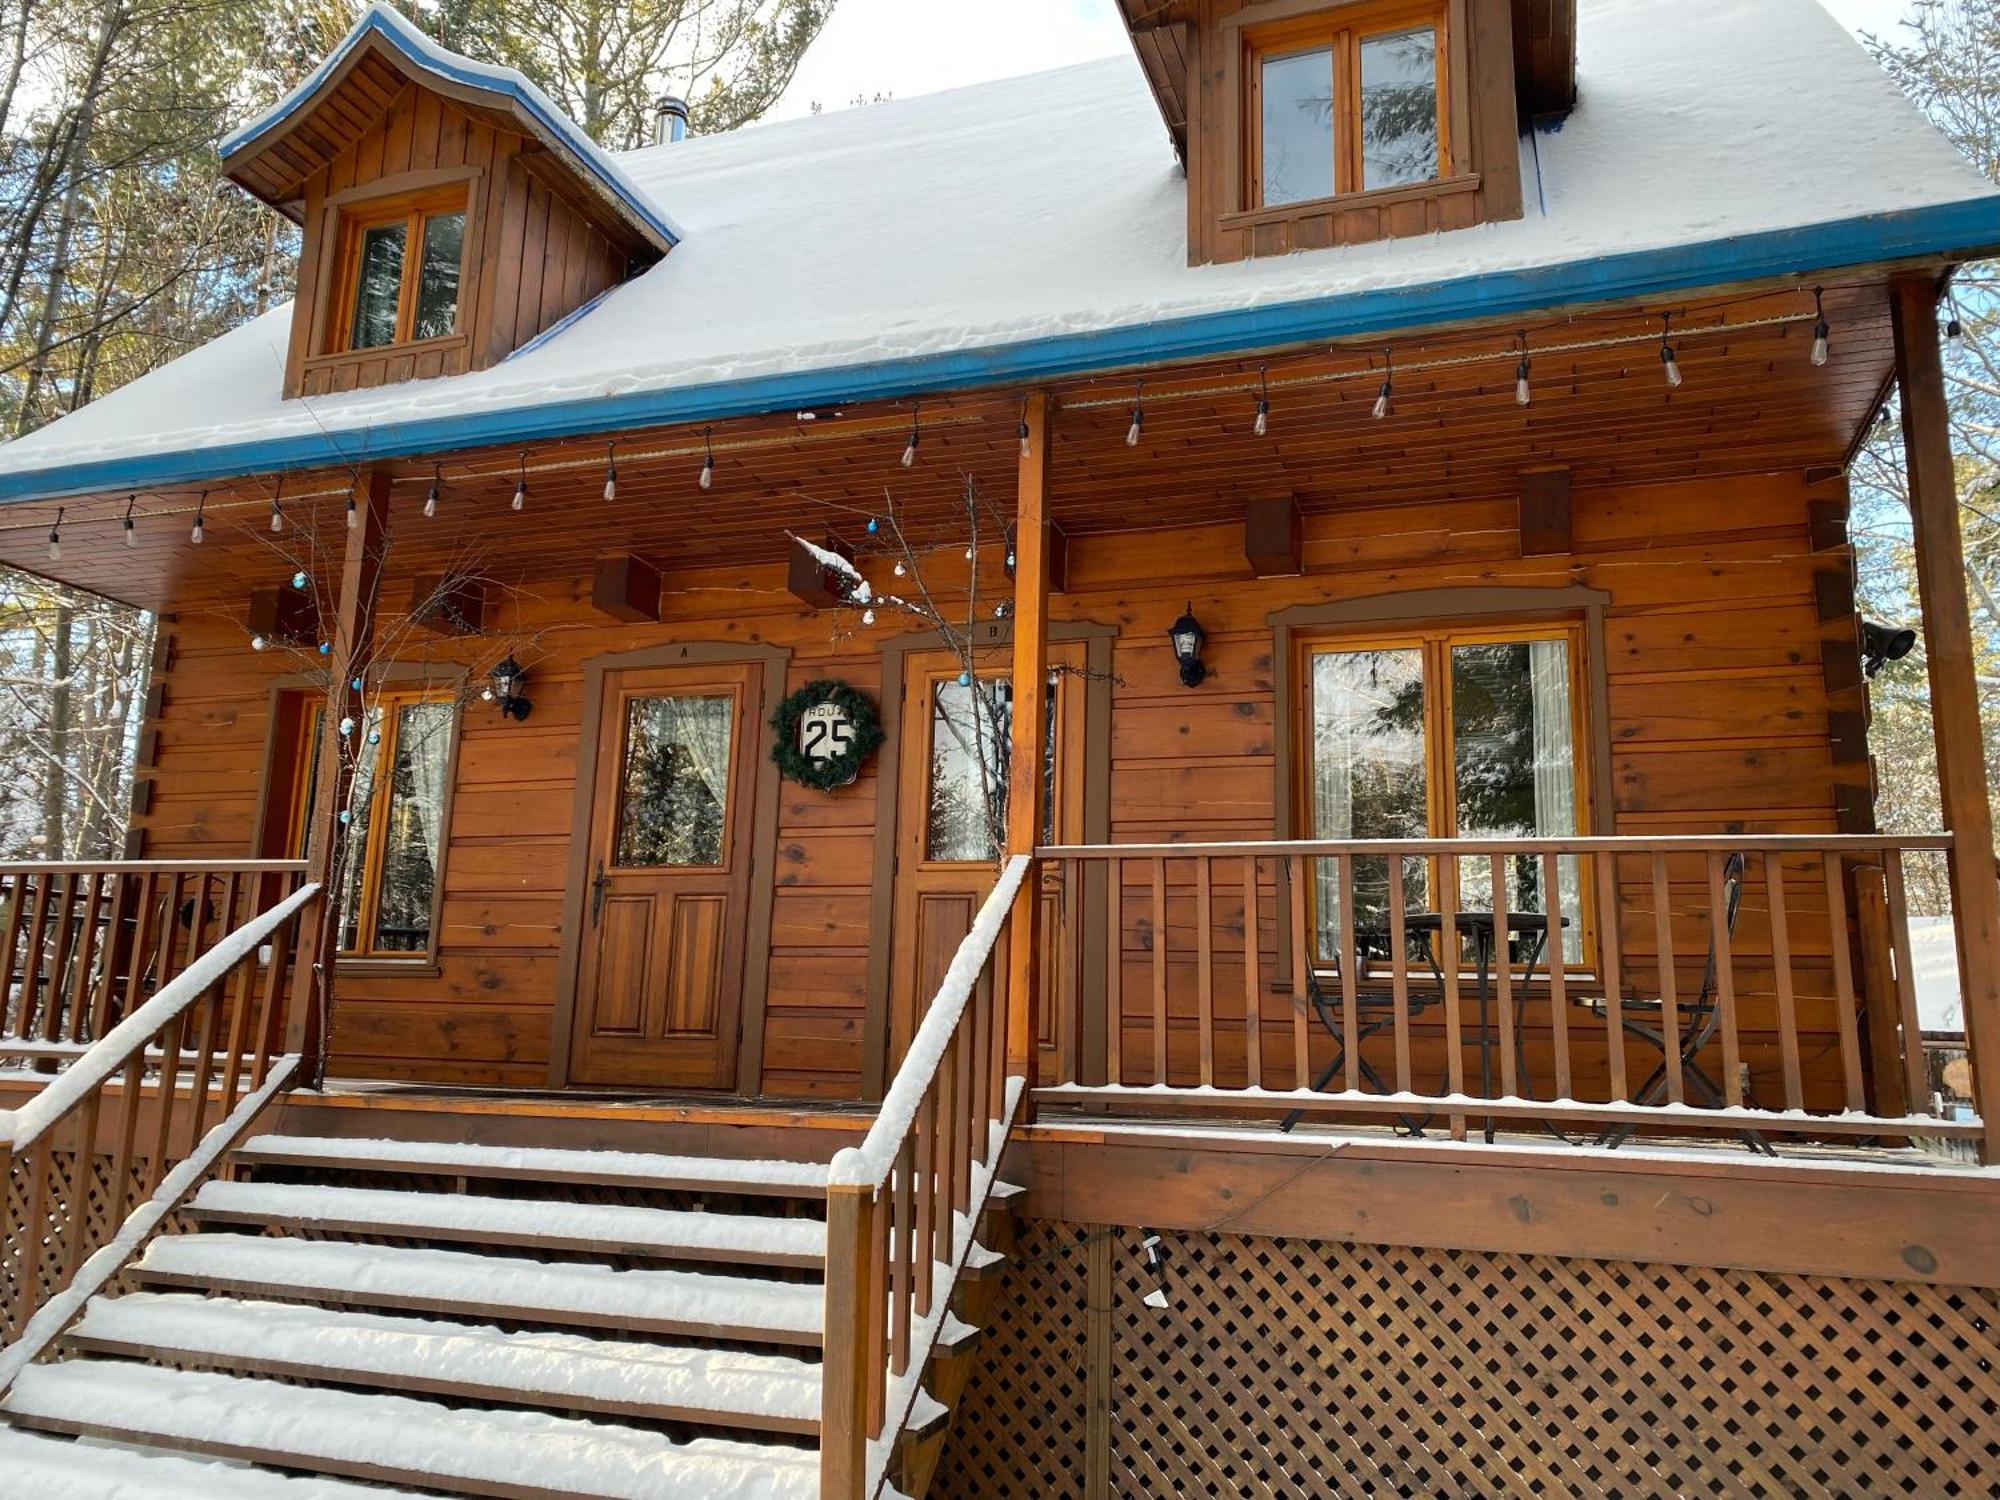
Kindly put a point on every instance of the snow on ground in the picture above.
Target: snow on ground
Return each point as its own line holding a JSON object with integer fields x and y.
{"x": 1934, "y": 957}
{"x": 1052, "y": 205}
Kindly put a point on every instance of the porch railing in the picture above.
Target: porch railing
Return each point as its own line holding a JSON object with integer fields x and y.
{"x": 183, "y": 1013}
{"x": 1760, "y": 984}
{"x": 903, "y": 1206}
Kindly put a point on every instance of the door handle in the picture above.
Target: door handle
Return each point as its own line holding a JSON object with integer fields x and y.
{"x": 597, "y": 894}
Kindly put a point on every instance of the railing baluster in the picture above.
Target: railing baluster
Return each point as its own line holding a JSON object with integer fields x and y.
{"x": 1114, "y": 973}
{"x": 947, "y": 1153}
{"x": 1205, "y": 968}
{"x": 1350, "y": 978}
{"x": 1503, "y": 979}
{"x": 926, "y": 1195}
{"x": 981, "y": 1041}
{"x": 82, "y": 959}
{"x": 967, "y": 1125}
{"x": 12, "y": 1016}
{"x": 1609, "y": 948}
{"x": 168, "y": 1039}
{"x": 1448, "y": 956}
{"x": 1160, "y": 971}
{"x": 1843, "y": 982}
{"x": 53, "y": 989}
{"x": 1301, "y": 978}
{"x": 1720, "y": 941}
{"x": 1556, "y": 955}
{"x": 1670, "y": 1000}
{"x": 1399, "y": 972}
{"x": 875, "y": 1313}
{"x": 1781, "y": 973}
{"x": 902, "y": 1237}
{"x": 144, "y": 930}
{"x": 31, "y": 967}
{"x": 1253, "y": 982}
{"x": 109, "y": 954}
{"x": 1915, "y": 1079}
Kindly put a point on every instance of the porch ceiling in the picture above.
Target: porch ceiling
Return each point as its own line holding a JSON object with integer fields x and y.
{"x": 1752, "y": 401}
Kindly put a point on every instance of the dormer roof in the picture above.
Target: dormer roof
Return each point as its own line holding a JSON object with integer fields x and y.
{"x": 275, "y": 155}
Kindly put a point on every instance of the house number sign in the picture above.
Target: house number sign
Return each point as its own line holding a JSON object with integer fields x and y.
{"x": 823, "y": 733}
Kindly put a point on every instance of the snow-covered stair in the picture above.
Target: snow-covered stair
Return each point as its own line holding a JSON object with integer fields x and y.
{"x": 450, "y": 1319}
{"x": 340, "y": 1316}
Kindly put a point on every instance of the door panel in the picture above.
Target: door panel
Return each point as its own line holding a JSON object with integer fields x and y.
{"x": 947, "y": 856}
{"x": 660, "y": 974}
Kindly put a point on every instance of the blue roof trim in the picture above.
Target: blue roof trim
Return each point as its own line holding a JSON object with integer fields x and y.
{"x": 424, "y": 54}
{"x": 1964, "y": 228}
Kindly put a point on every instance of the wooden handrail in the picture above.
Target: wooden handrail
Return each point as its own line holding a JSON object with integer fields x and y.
{"x": 154, "y": 867}
{"x": 179, "y": 1031}
{"x": 903, "y": 1206}
{"x": 1596, "y": 982}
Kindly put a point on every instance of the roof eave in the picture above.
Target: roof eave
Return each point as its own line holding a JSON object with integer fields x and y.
{"x": 1941, "y": 234}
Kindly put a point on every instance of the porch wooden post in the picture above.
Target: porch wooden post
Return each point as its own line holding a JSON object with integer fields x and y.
{"x": 1024, "y": 767}
{"x": 845, "y": 1373}
{"x": 310, "y": 1021}
{"x": 1947, "y": 619}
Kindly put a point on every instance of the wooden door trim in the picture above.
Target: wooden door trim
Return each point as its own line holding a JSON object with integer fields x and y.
{"x": 1097, "y": 640}
{"x": 775, "y": 661}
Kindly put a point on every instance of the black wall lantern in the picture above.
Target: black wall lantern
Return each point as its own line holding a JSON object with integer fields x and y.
{"x": 1881, "y": 644}
{"x": 1187, "y": 635}
{"x": 504, "y": 684}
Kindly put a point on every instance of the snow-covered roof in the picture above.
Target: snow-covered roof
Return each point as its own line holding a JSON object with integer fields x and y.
{"x": 507, "y": 87}
{"x": 1033, "y": 228}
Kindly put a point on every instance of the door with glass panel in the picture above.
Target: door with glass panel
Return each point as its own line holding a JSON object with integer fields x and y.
{"x": 661, "y": 976}
{"x": 951, "y": 825}
{"x": 1472, "y": 734}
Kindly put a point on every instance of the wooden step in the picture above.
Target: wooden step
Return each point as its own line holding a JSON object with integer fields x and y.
{"x": 489, "y": 1288}
{"x": 555, "y": 1371}
{"x": 607, "y": 1229}
{"x": 627, "y": 1169}
{"x": 53, "y": 1468}
{"x": 399, "y": 1440}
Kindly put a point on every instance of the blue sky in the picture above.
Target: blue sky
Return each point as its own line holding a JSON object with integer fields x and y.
{"x": 909, "y": 47}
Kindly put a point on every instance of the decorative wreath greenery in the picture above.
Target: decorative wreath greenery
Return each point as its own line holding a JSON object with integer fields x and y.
{"x": 841, "y": 769}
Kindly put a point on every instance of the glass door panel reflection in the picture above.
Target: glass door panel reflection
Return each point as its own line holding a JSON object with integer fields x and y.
{"x": 673, "y": 802}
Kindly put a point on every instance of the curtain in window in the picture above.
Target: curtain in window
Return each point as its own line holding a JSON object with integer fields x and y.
{"x": 701, "y": 727}
{"x": 1555, "y": 772}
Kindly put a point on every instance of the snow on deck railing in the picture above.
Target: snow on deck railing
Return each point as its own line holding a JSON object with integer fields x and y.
{"x": 105, "y": 1057}
{"x": 869, "y": 1164}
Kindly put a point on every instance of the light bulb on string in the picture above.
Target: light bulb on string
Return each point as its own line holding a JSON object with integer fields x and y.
{"x": 352, "y": 514}
{"x": 521, "y": 488}
{"x": 195, "y": 531}
{"x": 131, "y": 528}
{"x": 900, "y": 569}
{"x": 1023, "y": 428}
{"x": 708, "y": 458}
{"x": 1385, "y": 399}
{"x": 431, "y": 495}
{"x": 1262, "y": 426}
{"x": 277, "y": 516}
{"x": 1954, "y": 329}
{"x": 1822, "y": 345}
{"x": 867, "y": 617}
{"x": 916, "y": 436}
{"x": 610, "y": 472}
{"x": 256, "y": 643}
{"x": 1138, "y": 416}
{"x": 1524, "y": 394}
{"x": 55, "y": 536}
{"x": 1669, "y": 362}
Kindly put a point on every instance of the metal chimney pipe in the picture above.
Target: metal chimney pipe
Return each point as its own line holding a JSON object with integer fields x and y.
{"x": 670, "y": 120}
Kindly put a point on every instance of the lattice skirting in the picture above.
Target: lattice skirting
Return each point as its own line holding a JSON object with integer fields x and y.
{"x": 42, "y": 1254}
{"x": 1291, "y": 1368}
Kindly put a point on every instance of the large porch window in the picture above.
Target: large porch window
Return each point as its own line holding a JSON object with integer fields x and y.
{"x": 1441, "y": 734}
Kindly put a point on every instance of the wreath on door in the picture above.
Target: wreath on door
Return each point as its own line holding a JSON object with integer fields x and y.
{"x": 823, "y": 733}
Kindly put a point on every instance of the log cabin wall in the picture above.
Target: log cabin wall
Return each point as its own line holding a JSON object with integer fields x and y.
{"x": 1715, "y": 662}
{"x": 533, "y": 254}
{"x": 1481, "y": 185}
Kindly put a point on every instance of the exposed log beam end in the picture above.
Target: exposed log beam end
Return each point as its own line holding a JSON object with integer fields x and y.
{"x": 447, "y": 605}
{"x": 1826, "y": 524}
{"x": 1833, "y": 594}
{"x": 1274, "y": 540}
{"x": 626, "y": 587}
{"x": 810, "y": 581}
{"x": 284, "y": 616}
{"x": 1548, "y": 526}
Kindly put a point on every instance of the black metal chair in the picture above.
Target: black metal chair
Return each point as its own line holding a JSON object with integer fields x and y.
{"x": 1700, "y": 1018}
{"x": 1374, "y": 1012}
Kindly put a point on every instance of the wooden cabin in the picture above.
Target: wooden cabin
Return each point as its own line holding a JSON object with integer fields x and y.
{"x": 1152, "y": 780}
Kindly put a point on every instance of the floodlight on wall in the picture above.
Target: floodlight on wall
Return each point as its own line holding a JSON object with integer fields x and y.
{"x": 1882, "y": 644}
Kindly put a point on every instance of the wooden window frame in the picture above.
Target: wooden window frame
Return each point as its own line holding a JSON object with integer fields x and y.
{"x": 1435, "y": 644}
{"x": 389, "y": 704}
{"x": 412, "y": 209}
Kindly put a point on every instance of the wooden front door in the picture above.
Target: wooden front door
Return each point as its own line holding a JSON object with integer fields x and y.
{"x": 949, "y": 830}
{"x": 660, "y": 975}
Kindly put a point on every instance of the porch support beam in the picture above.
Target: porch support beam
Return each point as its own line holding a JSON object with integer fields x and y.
{"x": 1948, "y": 649}
{"x": 353, "y": 635}
{"x": 1029, "y": 734}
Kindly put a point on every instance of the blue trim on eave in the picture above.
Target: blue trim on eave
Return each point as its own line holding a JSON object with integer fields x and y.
{"x": 390, "y": 28}
{"x": 1960, "y": 229}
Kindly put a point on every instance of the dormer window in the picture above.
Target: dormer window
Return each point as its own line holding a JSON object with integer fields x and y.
{"x": 1346, "y": 101}
{"x": 400, "y": 264}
